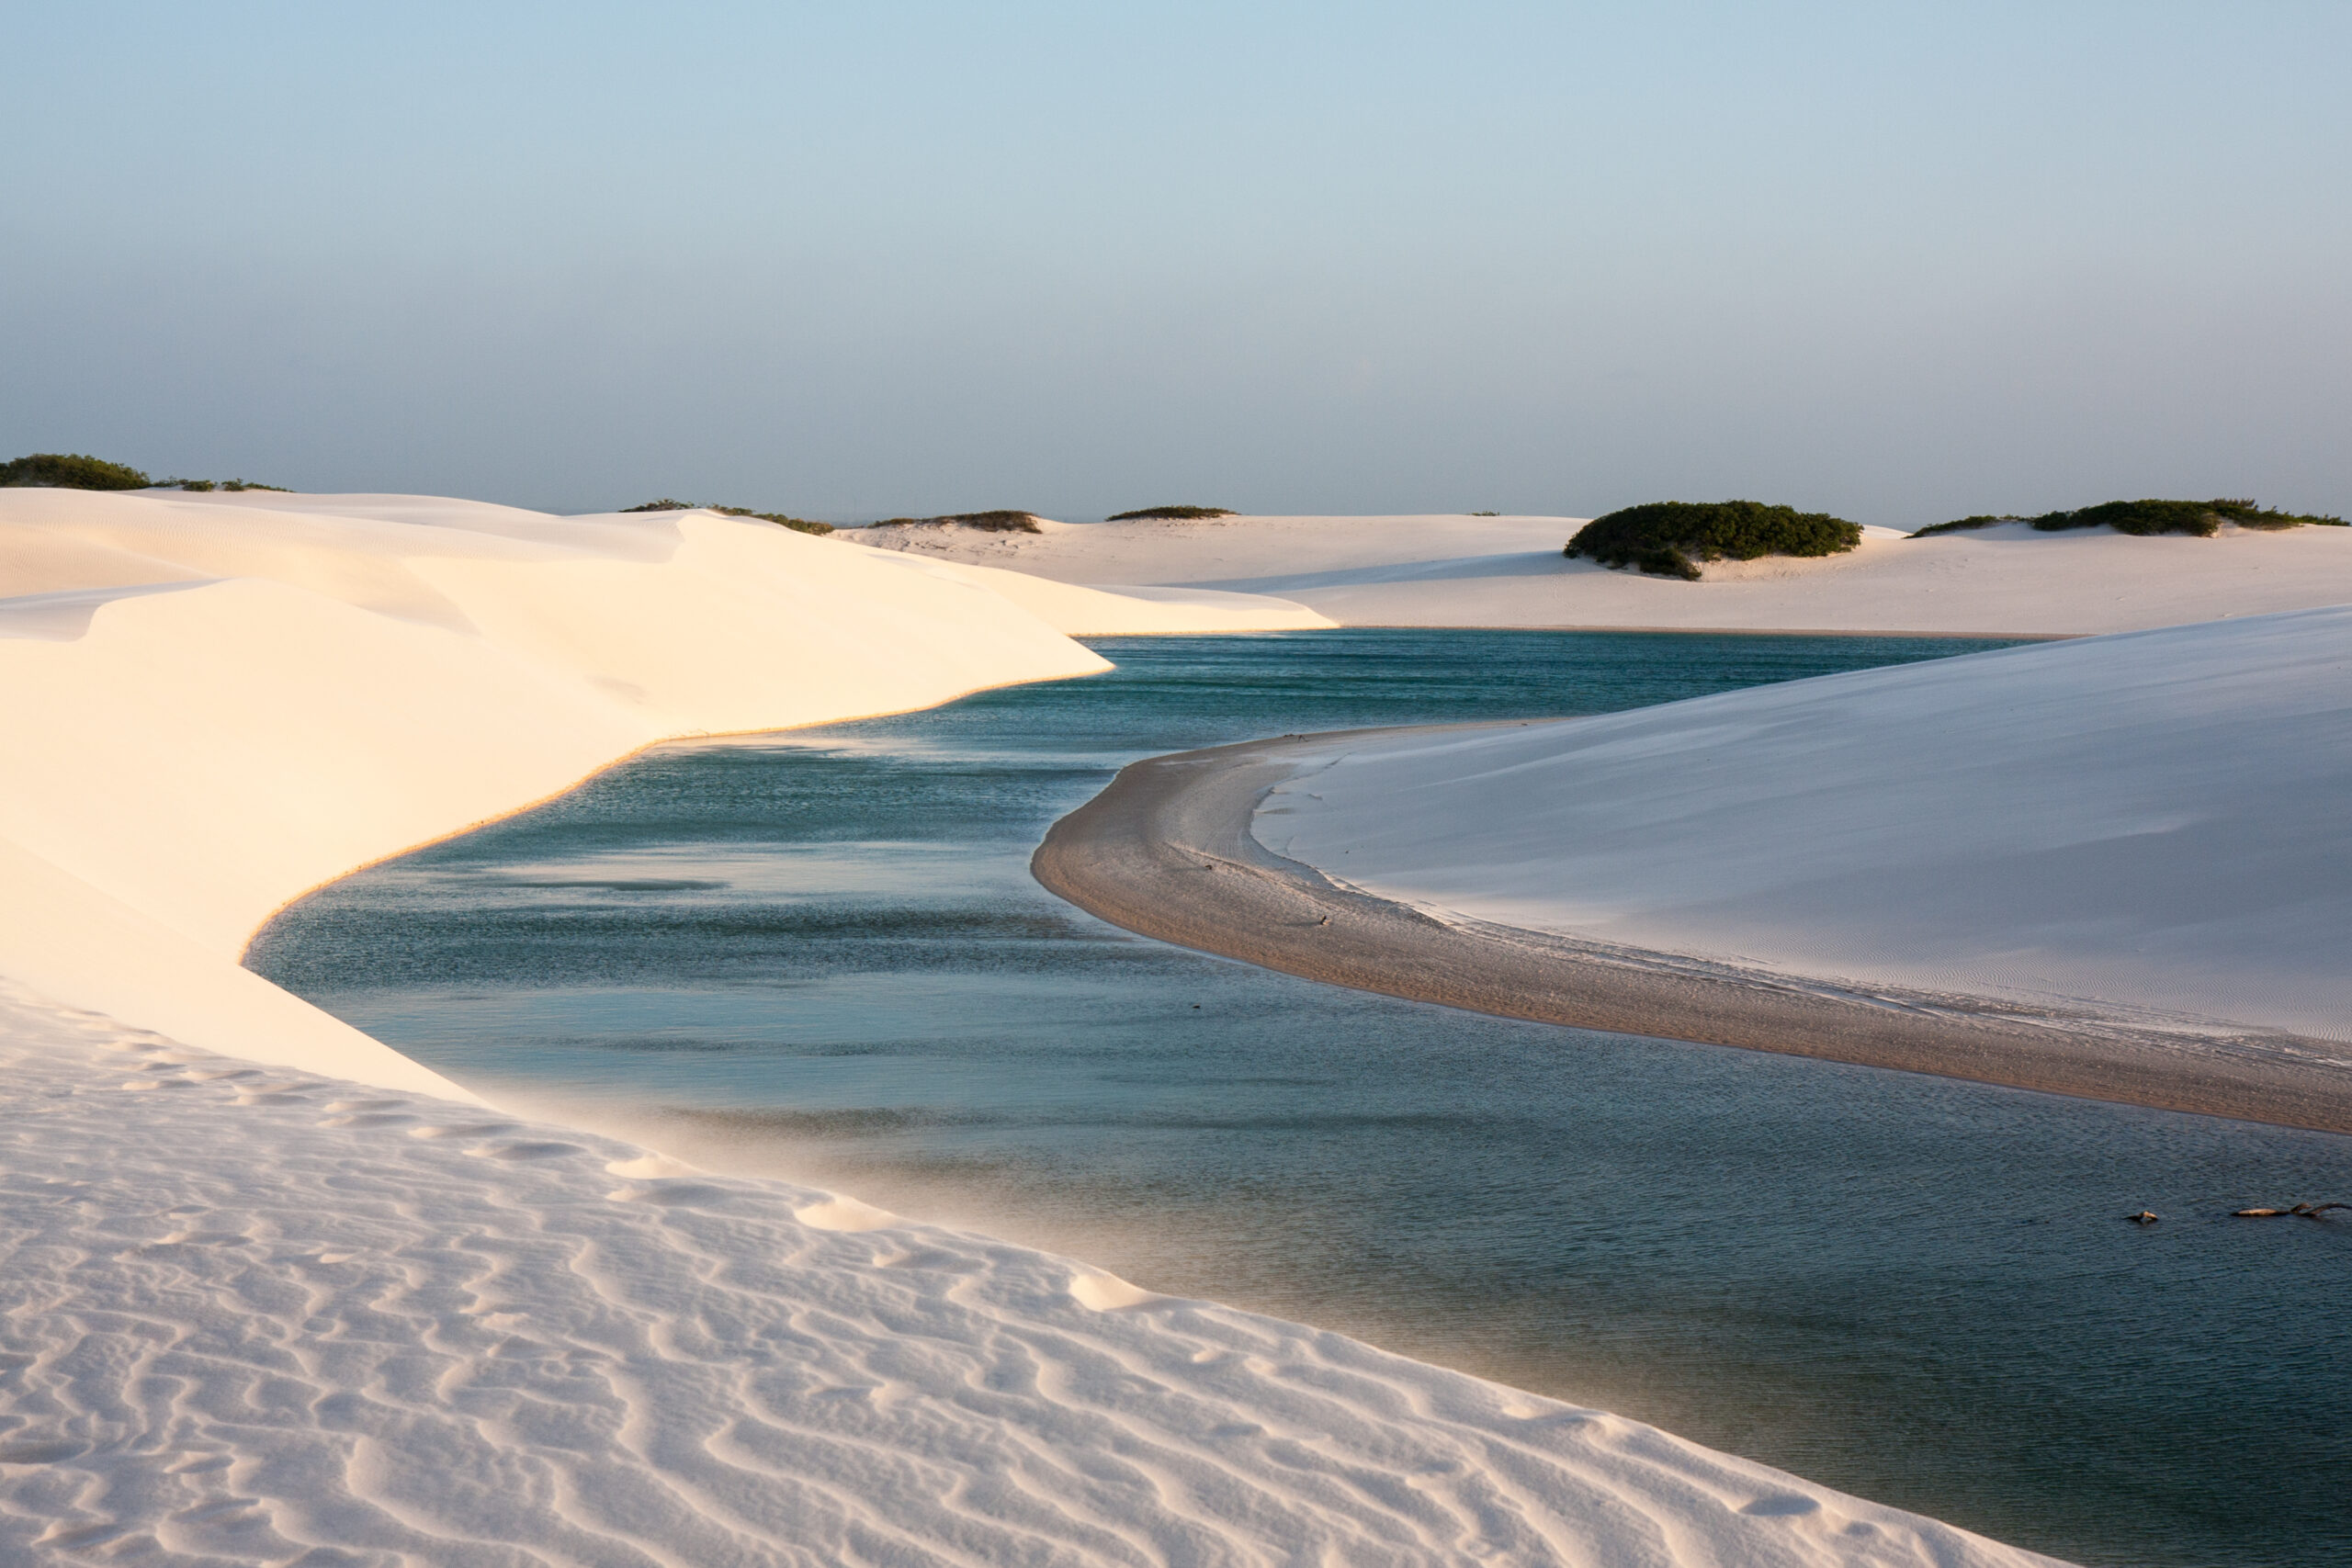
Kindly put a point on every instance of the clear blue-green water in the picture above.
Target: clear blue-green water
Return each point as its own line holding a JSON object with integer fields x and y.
{"x": 821, "y": 954}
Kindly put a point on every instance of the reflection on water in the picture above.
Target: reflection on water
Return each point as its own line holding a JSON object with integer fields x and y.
{"x": 821, "y": 956}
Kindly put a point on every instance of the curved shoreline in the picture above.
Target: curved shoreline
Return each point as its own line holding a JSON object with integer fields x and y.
{"x": 1167, "y": 851}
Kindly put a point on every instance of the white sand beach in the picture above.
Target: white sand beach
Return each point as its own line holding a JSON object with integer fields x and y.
{"x": 2148, "y": 827}
{"x": 1507, "y": 571}
{"x": 270, "y": 1292}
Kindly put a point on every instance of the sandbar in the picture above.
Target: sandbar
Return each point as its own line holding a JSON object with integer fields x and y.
{"x": 1167, "y": 851}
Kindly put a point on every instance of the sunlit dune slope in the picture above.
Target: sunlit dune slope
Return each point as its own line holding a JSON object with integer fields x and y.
{"x": 213, "y": 706}
{"x": 2153, "y": 825}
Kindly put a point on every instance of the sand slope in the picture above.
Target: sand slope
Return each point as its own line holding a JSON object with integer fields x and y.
{"x": 2150, "y": 827}
{"x": 215, "y": 703}
{"x": 1507, "y": 571}
{"x": 256, "y": 1317}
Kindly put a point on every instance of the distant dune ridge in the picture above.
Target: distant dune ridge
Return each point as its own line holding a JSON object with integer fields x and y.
{"x": 2005, "y": 579}
{"x": 256, "y": 1311}
{"x": 2204, "y": 519}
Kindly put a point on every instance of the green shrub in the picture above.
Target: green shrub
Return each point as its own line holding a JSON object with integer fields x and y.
{"x": 203, "y": 486}
{"x": 67, "y": 470}
{"x": 989, "y": 522}
{"x": 1177, "y": 514}
{"x": 2200, "y": 518}
{"x": 799, "y": 525}
{"x": 2137, "y": 517}
{"x": 1957, "y": 526}
{"x": 1669, "y": 538}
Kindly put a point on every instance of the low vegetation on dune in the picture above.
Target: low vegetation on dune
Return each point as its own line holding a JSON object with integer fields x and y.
{"x": 987, "y": 522}
{"x": 1174, "y": 513}
{"x": 70, "y": 470}
{"x": 801, "y": 525}
{"x": 2201, "y": 518}
{"x": 1670, "y": 538}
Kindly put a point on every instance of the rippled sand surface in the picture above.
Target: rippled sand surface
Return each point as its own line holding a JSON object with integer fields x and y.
{"x": 253, "y": 1315}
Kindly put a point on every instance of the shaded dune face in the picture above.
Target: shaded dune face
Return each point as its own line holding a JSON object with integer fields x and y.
{"x": 386, "y": 1326}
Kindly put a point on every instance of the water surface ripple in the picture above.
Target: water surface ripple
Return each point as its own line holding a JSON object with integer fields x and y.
{"x": 819, "y": 954}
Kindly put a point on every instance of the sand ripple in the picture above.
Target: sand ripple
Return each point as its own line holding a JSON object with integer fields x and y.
{"x": 258, "y": 1319}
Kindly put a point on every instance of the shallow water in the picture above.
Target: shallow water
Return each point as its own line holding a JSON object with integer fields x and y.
{"x": 821, "y": 956}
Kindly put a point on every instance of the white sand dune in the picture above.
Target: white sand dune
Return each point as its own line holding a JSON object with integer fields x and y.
{"x": 215, "y": 703}
{"x": 253, "y": 1311}
{"x": 2152, "y": 825}
{"x": 1115, "y": 610}
{"x": 259, "y": 1316}
{"x": 1507, "y": 571}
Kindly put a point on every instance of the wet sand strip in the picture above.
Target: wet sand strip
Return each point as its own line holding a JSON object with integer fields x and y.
{"x": 1167, "y": 852}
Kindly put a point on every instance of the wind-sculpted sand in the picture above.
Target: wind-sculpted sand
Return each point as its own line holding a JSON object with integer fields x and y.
{"x": 252, "y": 1316}
{"x": 2113, "y": 869}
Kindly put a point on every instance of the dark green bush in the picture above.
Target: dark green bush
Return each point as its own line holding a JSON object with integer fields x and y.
{"x": 2138, "y": 517}
{"x": 800, "y": 524}
{"x": 1669, "y": 538}
{"x": 2201, "y": 518}
{"x": 201, "y": 486}
{"x": 1177, "y": 514}
{"x": 989, "y": 522}
{"x": 68, "y": 471}
{"x": 1959, "y": 525}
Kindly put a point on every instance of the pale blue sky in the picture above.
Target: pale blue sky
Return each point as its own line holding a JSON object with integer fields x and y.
{"x": 1900, "y": 262}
